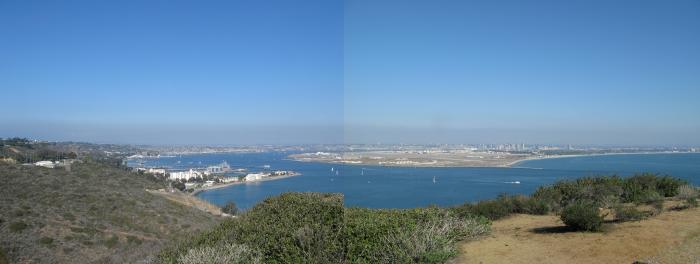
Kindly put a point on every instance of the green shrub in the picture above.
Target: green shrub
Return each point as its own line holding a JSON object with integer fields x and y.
{"x": 638, "y": 187}
{"x": 316, "y": 228}
{"x": 647, "y": 197}
{"x": 18, "y": 226}
{"x": 628, "y": 213}
{"x": 111, "y": 242}
{"x": 491, "y": 209}
{"x": 606, "y": 191}
{"x": 505, "y": 205}
{"x": 603, "y": 191}
{"x": 582, "y": 215}
{"x": 47, "y": 241}
{"x": 423, "y": 235}
{"x": 692, "y": 202}
{"x": 289, "y": 228}
{"x": 230, "y": 208}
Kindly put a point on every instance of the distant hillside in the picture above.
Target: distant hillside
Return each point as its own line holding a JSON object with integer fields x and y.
{"x": 94, "y": 213}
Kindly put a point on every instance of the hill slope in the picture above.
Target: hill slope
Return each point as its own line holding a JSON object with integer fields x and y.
{"x": 93, "y": 213}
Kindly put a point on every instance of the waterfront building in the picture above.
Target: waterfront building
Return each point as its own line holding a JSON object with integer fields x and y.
{"x": 229, "y": 179}
{"x": 255, "y": 176}
{"x": 221, "y": 168}
{"x": 156, "y": 171}
{"x": 185, "y": 175}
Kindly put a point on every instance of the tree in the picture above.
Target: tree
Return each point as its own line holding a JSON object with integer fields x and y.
{"x": 230, "y": 208}
{"x": 178, "y": 185}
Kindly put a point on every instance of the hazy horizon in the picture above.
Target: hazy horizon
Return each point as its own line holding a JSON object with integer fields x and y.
{"x": 334, "y": 72}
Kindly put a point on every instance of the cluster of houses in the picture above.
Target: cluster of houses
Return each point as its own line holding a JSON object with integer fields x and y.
{"x": 205, "y": 173}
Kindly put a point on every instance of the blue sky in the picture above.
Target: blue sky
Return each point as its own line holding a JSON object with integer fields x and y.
{"x": 131, "y": 71}
{"x": 248, "y": 72}
{"x": 523, "y": 71}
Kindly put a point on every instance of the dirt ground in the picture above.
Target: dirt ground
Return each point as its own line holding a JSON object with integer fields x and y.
{"x": 672, "y": 237}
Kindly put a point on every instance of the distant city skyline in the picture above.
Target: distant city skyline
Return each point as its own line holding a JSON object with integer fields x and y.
{"x": 414, "y": 72}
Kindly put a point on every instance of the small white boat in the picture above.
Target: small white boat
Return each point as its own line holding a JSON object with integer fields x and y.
{"x": 513, "y": 182}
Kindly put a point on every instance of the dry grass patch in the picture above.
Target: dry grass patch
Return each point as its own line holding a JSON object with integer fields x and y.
{"x": 671, "y": 237}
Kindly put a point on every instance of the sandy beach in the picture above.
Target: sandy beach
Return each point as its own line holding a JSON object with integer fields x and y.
{"x": 515, "y": 163}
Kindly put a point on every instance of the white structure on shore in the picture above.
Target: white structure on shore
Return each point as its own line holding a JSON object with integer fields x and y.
{"x": 221, "y": 168}
{"x": 230, "y": 179}
{"x": 46, "y": 164}
{"x": 255, "y": 176}
{"x": 185, "y": 175}
{"x": 156, "y": 171}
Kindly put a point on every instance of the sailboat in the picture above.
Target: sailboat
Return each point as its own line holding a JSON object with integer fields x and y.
{"x": 434, "y": 179}
{"x": 363, "y": 172}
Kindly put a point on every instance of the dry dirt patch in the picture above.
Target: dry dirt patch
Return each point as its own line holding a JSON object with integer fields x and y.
{"x": 542, "y": 239}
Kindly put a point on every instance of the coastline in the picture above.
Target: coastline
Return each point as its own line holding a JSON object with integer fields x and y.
{"x": 218, "y": 186}
{"x": 513, "y": 164}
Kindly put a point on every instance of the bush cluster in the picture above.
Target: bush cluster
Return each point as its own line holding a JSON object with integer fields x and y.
{"x": 606, "y": 191}
{"x": 316, "y": 228}
{"x": 597, "y": 192}
{"x": 421, "y": 235}
{"x": 230, "y": 208}
{"x": 628, "y": 213}
{"x": 582, "y": 215}
{"x": 503, "y": 206}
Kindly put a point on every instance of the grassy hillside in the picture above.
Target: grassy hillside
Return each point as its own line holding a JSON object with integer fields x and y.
{"x": 94, "y": 213}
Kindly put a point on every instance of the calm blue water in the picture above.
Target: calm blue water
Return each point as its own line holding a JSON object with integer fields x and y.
{"x": 389, "y": 187}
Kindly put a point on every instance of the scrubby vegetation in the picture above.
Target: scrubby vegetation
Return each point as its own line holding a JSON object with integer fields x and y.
{"x": 503, "y": 206}
{"x": 230, "y": 208}
{"x": 582, "y": 215}
{"x": 316, "y": 228}
{"x": 624, "y": 213}
{"x": 576, "y": 199}
{"x": 606, "y": 191}
{"x": 92, "y": 213}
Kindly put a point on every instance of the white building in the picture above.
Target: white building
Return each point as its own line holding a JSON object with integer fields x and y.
{"x": 255, "y": 176}
{"x": 229, "y": 179}
{"x": 185, "y": 175}
{"x": 156, "y": 171}
{"x": 221, "y": 168}
{"x": 46, "y": 164}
